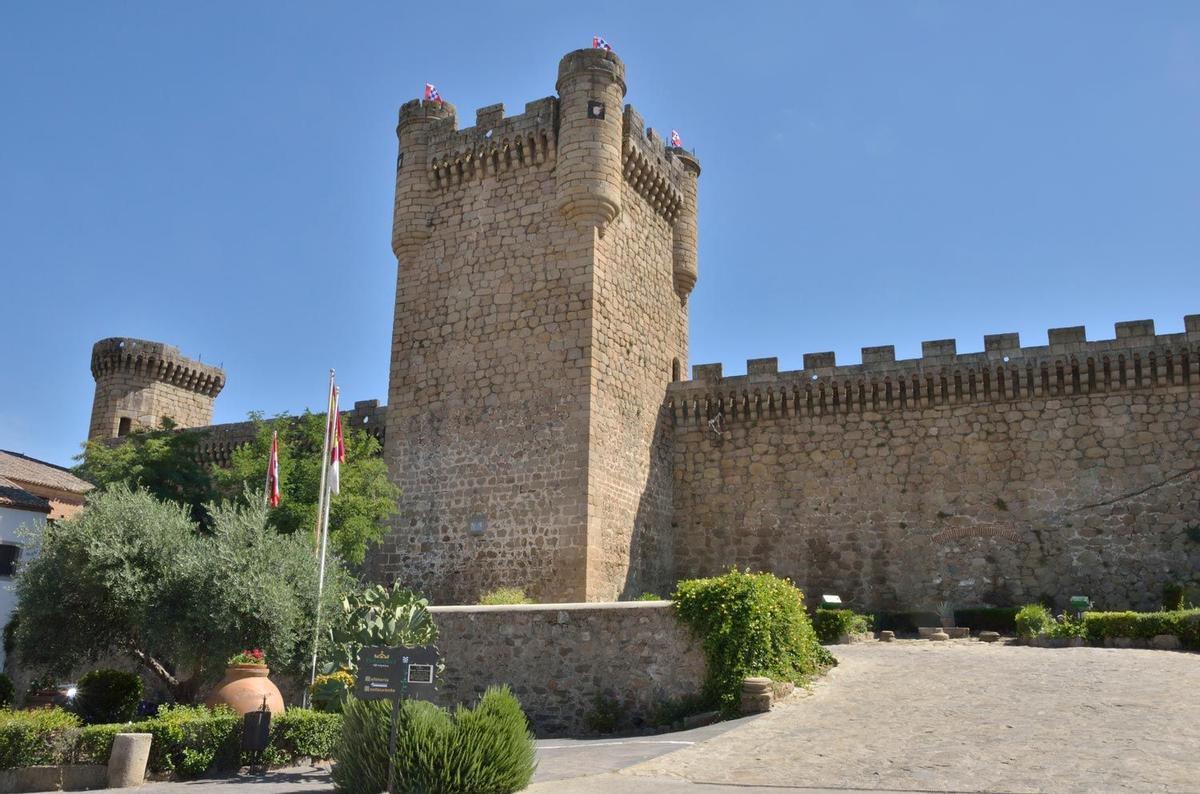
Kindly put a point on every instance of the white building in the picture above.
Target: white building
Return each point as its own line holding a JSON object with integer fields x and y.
{"x": 22, "y": 514}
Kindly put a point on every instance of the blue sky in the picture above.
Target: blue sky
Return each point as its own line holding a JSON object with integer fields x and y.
{"x": 219, "y": 176}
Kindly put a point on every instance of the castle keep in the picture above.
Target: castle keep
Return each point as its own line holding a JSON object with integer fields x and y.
{"x": 543, "y": 435}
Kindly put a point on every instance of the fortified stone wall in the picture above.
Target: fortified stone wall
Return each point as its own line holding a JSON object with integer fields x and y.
{"x": 140, "y": 383}
{"x": 558, "y": 657}
{"x": 541, "y": 302}
{"x": 217, "y": 445}
{"x": 987, "y": 478}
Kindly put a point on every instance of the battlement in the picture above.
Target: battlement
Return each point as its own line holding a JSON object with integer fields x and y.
{"x": 155, "y": 360}
{"x": 655, "y": 170}
{"x": 494, "y": 146}
{"x": 217, "y": 443}
{"x": 1136, "y": 358}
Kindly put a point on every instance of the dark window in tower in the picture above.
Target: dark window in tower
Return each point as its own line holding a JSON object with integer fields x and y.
{"x": 124, "y": 425}
{"x": 675, "y": 370}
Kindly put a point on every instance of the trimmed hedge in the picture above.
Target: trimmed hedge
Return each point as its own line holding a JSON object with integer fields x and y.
{"x": 1184, "y": 624}
{"x": 108, "y": 696}
{"x": 831, "y": 624}
{"x": 1001, "y": 619}
{"x": 188, "y": 740}
{"x": 750, "y": 624}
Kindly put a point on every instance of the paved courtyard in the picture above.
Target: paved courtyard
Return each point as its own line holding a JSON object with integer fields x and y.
{"x": 909, "y": 716}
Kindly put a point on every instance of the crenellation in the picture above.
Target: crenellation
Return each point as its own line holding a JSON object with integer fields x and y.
{"x": 495, "y": 146}
{"x": 1191, "y": 324}
{"x": 942, "y": 376}
{"x": 762, "y": 366}
{"x": 1134, "y": 329}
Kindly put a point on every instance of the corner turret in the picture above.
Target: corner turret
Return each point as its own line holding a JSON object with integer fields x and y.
{"x": 684, "y": 231}
{"x": 412, "y": 217}
{"x": 591, "y": 89}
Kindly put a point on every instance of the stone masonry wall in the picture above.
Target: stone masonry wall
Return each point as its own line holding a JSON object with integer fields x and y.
{"x": 146, "y": 382}
{"x": 990, "y": 478}
{"x": 558, "y": 657}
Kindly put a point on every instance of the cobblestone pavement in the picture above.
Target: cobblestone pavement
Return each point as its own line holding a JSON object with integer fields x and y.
{"x": 964, "y": 716}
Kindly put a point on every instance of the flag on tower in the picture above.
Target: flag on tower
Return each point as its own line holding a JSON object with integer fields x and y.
{"x": 676, "y": 141}
{"x": 273, "y": 472}
{"x": 431, "y": 92}
{"x": 337, "y": 445}
{"x": 598, "y": 43}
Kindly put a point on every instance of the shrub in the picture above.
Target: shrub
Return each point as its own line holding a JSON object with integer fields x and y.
{"x": 329, "y": 692}
{"x": 750, "y": 624}
{"x": 1001, "y": 619}
{"x": 487, "y": 749}
{"x": 831, "y": 624}
{"x": 605, "y": 714}
{"x": 505, "y": 595}
{"x": 1032, "y": 620}
{"x": 31, "y": 738}
{"x": 1066, "y": 627}
{"x": 7, "y": 691}
{"x": 1174, "y": 597}
{"x": 298, "y": 734}
{"x": 649, "y": 597}
{"x": 1184, "y": 624}
{"x": 93, "y": 743}
{"x": 377, "y": 615}
{"x": 190, "y": 740}
{"x": 108, "y": 696}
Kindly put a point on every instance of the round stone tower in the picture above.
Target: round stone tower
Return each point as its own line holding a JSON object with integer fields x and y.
{"x": 141, "y": 383}
{"x": 591, "y": 89}
{"x": 412, "y": 218}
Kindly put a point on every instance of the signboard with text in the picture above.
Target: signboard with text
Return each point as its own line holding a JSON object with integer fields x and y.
{"x": 390, "y": 673}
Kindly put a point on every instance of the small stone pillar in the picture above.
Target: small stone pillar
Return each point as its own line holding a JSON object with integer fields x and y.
{"x": 756, "y": 695}
{"x": 887, "y": 636}
{"x": 127, "y": 763}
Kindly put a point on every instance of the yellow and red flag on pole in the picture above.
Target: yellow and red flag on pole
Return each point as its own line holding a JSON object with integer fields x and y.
{"x": 273, "y": 472}
{"x": 337, "y": 445}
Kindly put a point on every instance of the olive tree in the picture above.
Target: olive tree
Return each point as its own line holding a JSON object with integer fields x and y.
{"x": 135, "y": 576}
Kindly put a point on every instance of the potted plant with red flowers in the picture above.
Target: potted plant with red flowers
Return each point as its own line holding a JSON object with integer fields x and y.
{"x": 246, "y": 686}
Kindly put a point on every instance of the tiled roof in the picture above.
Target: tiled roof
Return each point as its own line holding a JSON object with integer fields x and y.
{"x": 12, "y": 495}
{"x": 22, "y": 468}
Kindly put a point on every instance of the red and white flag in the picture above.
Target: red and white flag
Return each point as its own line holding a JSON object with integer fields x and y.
{"x": 676, "y": 141}
{"x": 273, "y": 472}
{"x": 337, "y": 445}
{"x": 598, "y": 43}
{"x": 431, "y": 92}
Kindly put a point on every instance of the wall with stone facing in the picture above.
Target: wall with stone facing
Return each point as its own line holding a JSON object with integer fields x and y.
{"x": 558, "y": 657}
{"x": 146, "y": 382}
{"x": 988, "y": 478}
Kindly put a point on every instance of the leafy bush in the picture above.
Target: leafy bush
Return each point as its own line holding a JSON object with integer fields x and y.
{"x": 505, "y": 595}
{"x": 487, "y": 749}
{"x": 1001, "y": 619}
{"x": 93, "y": 743}
{"x": 7, "y": 691}
{"x": 1184, "y": 624}
{"x": 30, "y": 738}
{"x": 302, "y": 733}
{"x": 329, "y": 691}
{"x": 650, "y": 597}
{"x": 605, "y": 715}
{"x": 750, "y": 624}
{"x": 190, "y": 740}
{"x": 831, "y": 624}
{"x": 108, "y": 696}
{"x": 1066, "y": 627}
{"x": 1174, "y": 597}
{"x": 1032, "y": 620}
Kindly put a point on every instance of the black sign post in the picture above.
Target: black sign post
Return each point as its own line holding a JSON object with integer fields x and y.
{"x": 392, "y": 673}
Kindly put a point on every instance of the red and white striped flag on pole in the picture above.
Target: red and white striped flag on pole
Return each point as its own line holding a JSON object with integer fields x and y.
{"x": 273, "y": 472}
{"x": 676, "y": 141}
{"x": 337, "y": 445}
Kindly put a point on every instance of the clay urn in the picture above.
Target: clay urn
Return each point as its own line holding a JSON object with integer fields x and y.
{"x": 243, "y": 690}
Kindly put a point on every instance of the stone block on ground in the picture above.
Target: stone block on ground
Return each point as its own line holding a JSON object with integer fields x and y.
{"x": 756, "y": 695}
{"x": 1165, "y": 642}
{"x": 83, "y": 777}
{"x": 924, "y": 631}
{"x": 989, "y": 636}
{"x": 700, "y": 720}
{"x": 31, "y": 778}
{"x": 127, "y": 762}
{"x": 887, "y": 636}
{"x": 939, "y": 636}
{"x": 958, "y": 632}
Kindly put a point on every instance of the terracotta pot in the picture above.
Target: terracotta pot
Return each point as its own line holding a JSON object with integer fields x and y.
{"x": 243, "y": 690}
{"x": 42, "y": 699}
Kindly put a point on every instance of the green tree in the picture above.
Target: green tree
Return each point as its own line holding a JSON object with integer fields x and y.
{"x": 134, "y": 575}
{"x": 357, "y": 516}
{"x": 164, "y": 462}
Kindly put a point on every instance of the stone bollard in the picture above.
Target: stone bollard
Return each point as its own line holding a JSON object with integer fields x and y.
{"x": 127, "y": 763}
{"x": 756, "y": 695}
{"x": 887, "y": 636}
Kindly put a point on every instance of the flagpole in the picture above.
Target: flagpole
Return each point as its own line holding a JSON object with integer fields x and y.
{"x": 322, "y": 535}
{"x": 267, "y": 484}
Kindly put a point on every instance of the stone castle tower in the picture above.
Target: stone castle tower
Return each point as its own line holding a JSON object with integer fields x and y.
{"x": 140, "y": 383}
{"x": 545, "y": 262}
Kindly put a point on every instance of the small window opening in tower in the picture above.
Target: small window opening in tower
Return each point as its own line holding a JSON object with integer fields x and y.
{"x": 675, "y": 370}
{"x": 9, "y": 555}
{"x": 124, "y": 426}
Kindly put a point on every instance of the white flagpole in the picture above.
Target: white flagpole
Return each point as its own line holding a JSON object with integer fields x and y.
{"x": 322, "y": 533}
